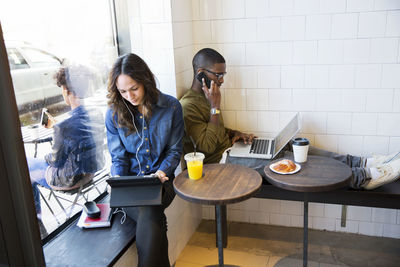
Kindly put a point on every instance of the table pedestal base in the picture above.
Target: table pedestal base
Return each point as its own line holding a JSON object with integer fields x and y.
{"x": 305, "y": 231}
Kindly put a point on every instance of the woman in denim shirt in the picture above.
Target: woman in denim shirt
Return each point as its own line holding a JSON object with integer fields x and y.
{"x": 144, "y": 134}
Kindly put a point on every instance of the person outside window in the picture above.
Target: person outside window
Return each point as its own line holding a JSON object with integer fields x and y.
{"x": 144, "y": 132}
{"x": 76, "y": 154}
{"x": 204, "y": 123}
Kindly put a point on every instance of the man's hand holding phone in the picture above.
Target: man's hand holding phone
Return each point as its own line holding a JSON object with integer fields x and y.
{"x": 213, "y": 94}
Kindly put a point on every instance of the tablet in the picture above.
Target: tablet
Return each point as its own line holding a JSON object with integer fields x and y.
{"x": 133, "y": 191}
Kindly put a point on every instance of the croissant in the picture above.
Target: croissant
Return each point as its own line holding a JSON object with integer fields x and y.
{"x": 285, "y": 166}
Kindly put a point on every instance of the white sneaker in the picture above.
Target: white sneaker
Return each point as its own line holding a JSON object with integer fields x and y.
{"x": 390, "y": 172}
{"x": 378, "y": 160}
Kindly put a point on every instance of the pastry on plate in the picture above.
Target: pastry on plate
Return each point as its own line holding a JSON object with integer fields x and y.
{"x": 284, "y": 166}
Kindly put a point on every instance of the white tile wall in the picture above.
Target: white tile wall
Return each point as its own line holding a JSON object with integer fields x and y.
{"x": 256, "y": 8}
{"x": 372, "y": 24}
{"x": 318, "y": 27}
{"x": 350, "y": 227}
{"x": 364, "y": 123}
{"x": 330, "y": 51}
{"x": 269, "y": 77}
{"x": 391, "y": 76}
{"x": 360, "y": 5}
{"x": 393, "y": 20}
{"x": 321, "y": 223}
{"x": 257, "y": 99}
{"x": 304, "y": 7}
{"x": 341, "y": 76}
{"x": 269, "y": 29}
{"x": 368, "y": 76}
{"x": 376, "y": 145}
{"x": 292, "y": 77}
{"x": 356, "y": 51}
{"x": 368, "y": 228}
{"x": 305, "y": 52}
{"x": 337, "y": 62}
{"x": 344, "y": 26}
{"x": 293, "y": 28}
{"x": 384, "y": 50}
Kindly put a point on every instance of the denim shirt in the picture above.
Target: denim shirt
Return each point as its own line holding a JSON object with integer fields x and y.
{"x": 77, "y": 148}
{"x": 160, "y": 147}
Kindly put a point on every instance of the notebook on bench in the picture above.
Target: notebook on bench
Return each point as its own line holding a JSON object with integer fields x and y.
{"x": 132, "y": 191}
{"x": 267, "y": 148}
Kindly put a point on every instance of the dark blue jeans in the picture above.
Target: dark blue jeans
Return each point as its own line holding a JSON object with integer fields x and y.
{"x": 359, "y": 174}
{"x": 37, "y": 168}
{"x": 151, "y": 230}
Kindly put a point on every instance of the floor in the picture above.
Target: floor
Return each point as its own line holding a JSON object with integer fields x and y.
{"x": 256, "y": 245}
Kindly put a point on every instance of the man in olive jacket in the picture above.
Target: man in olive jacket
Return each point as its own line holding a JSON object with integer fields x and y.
{"x": 201, "y": 109}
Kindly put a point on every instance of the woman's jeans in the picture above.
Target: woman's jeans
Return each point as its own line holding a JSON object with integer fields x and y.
{"x": 359, "y": 174}
{"x": 151, "y": 230}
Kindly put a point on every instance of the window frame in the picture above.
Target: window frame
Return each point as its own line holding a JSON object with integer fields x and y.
{"x": 19, "y": 229}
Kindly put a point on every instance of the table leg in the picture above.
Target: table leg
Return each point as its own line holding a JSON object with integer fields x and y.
{"x": 218, "y": 218}
{"x": 224, "y": 226}
{"x": 305, "y": 234}
{"x": 35, "y": 150}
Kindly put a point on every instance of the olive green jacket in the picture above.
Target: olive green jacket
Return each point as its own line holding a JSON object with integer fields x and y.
{"x": 211, "y": 139}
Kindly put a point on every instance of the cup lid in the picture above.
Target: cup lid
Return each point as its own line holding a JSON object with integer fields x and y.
{"x": 191, "y": 156}
{"x": 300, "y": 141}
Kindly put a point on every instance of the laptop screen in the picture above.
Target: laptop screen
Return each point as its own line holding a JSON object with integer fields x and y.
{"x": 286, "y": 134}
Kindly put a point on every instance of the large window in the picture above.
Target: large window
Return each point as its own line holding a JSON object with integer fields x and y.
{"x": 73, "y": 39}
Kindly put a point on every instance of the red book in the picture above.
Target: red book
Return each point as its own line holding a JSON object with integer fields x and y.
{"x": 103, "y": 221}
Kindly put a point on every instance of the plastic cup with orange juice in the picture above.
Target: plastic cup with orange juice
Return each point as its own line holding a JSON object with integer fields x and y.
{"x": 194, "y": 162}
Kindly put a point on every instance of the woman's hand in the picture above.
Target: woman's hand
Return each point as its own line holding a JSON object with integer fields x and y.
{"x": 162, "y": 176}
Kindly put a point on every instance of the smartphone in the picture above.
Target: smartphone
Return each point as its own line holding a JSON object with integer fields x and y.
{"x": 44, "y": 119}
{"x": 202, "y": 75}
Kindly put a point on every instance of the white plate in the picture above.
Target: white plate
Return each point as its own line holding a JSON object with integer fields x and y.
{"x": 298, "y": 167}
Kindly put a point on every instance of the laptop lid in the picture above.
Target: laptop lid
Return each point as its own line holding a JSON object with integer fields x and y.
{"x": 239, "y": 149}
{"x": 132, "y": 191}
{"x": 286, "y": 134}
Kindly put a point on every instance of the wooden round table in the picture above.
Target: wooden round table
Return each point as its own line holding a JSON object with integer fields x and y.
{"x": 221, "y": 184}
{"x": 318, "y": 174}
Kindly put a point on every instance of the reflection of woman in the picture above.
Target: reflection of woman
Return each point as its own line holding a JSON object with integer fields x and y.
{"x": 144, "y": 133}
{"x": 74, "y": 158}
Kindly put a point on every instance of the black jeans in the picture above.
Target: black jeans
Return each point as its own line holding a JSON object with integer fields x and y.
{"x": 359, "y": 173}
{"x": 151, "y": 230}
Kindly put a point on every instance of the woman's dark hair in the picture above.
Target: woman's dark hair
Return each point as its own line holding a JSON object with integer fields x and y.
{"x": 135, "y": 67}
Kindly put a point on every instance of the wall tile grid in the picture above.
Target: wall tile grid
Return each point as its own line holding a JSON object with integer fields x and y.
{"x": 335, "y": 62}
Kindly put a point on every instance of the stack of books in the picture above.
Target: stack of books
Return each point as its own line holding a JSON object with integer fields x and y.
{"x": 103, "y": 221}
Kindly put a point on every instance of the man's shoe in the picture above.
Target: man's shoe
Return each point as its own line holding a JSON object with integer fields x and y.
{"x": 390, "y": 172}
{"x": 379, "y": 160}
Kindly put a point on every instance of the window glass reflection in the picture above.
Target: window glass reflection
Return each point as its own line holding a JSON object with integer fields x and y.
{"x": 60, "y": 53}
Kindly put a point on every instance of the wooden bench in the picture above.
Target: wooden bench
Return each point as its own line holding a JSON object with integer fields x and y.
{"x": 386, "y": 196}
{"x": 74, "y": 246}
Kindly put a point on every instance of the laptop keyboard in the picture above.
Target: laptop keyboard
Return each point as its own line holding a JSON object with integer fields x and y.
{"x": 260, "y": 146}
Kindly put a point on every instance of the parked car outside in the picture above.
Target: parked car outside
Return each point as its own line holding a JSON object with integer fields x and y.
{"x": 32, "y": 71}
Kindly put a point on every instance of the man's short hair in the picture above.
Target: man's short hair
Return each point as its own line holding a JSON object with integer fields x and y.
{"x": 206, "y": 58}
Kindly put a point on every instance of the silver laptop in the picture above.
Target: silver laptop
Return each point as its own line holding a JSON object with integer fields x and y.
{"x": 267, "y": 148}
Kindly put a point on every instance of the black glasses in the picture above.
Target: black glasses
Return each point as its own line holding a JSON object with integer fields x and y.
{"x": 218, "y": 74}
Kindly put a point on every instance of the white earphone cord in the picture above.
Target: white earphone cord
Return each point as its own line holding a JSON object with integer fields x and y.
{"x": 141, "y": 137}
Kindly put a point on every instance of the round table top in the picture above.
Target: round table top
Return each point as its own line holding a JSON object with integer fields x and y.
{"x": 221, "y": 184}
{"x": 318, "y": 174}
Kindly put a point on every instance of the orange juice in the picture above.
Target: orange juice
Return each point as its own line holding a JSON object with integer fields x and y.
{"x": 195, "y": 169}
